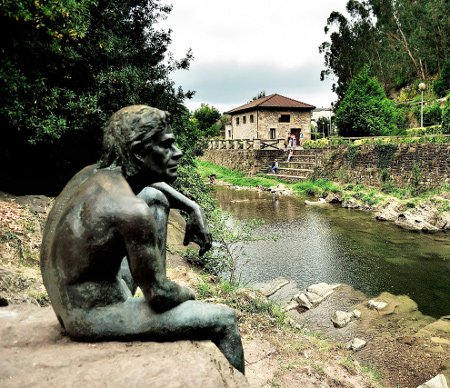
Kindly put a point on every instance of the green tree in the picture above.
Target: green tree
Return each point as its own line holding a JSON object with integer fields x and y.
{"x": 442, "y": 84}
{"x": 208, "y": 120}
{"x": 65, "y": 67}
{"x": 446, "y": 117}
{"x": 401, "y": 41}
{"x": 261, "y": 94}
{"x": 323, "y": 126}
{"x": 365, "y": 110}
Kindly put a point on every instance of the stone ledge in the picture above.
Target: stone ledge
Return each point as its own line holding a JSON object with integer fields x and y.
{"x": 34, "y": 352}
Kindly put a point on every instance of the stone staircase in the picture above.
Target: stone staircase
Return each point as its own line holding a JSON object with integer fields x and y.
{"x": 300, "y": 167}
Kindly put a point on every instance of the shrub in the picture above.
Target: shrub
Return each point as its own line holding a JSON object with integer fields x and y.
{"x": 446, "y": 117}
{"x": 365, "y": 110}
{"x": 432, "y": 114}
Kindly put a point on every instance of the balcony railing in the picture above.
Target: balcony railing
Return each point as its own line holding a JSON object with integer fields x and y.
{"x": 246, "y": 144}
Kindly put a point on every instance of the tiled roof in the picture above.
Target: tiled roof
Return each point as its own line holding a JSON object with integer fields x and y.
{"x": 273, "y": 101}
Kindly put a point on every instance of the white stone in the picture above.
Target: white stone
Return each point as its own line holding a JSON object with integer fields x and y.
{"x": 438, "y": 381}
{"x": 303, "y": 300}
{"x": 356, "y": 344}
{"x": 273, "y": 286}
{"x": 291, "y": 306}
{"x": 341, "y": 318}
{"x": 376, "y": 305}
{"x": 356, "y": 313}
{"x": 322, "y": 289}
{"x": 313, "y": 298}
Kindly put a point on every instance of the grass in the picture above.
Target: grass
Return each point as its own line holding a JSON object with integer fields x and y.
{"x": 234, "y": 177}
{"x": 309, "y": 187}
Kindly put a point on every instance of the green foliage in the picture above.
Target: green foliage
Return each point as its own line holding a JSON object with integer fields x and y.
{"x": 234, "y": 177}
{"x": 320, "y": 143}
{"x": 352, "y": 151}
{"x": 401, "y": 40}
{"x": 432, "y": 130}
{"x": 416, "y": 176}
{"x": 261, "y": 94}
{"x": 385, "y": 153}
{"x": 65, "y": 68}
{"x": 432, "y": 114}
{"x": 446, "y": 117}
{"x": 365, "y": 110}
{"x": 208, "y": 120}
{"x": 442, "y": 84}
{"x": 323, "y": 126}
{"x": 228, "y": 237}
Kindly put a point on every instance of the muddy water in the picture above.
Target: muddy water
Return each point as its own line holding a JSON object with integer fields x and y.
{"x": 335, "y": 245}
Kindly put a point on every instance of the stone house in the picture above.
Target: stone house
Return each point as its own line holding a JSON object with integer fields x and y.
{"x": 270, "y": 117}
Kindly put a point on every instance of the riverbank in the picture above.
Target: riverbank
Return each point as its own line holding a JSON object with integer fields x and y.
{"x": 277, "y": 354}
{"x": 426, "y": 211}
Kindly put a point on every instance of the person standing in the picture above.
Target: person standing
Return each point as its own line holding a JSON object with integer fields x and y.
{"x": 300, "y": 139}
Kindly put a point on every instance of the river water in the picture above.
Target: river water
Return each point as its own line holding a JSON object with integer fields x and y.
{"x": 330, "y": 244}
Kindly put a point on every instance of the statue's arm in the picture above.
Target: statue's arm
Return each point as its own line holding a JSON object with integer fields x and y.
{"x": 196, "y": 227}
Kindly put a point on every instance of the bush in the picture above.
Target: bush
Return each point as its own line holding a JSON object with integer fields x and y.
{"x": 432, "y": 114}
{"x": 446, "y": 117}
{"x": 365, "y": 110}
{"x": 443, "y": 83}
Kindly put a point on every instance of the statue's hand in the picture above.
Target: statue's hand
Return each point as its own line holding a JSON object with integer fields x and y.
{"x": 197, "y": 231}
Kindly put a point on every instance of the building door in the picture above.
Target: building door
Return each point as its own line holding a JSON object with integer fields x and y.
{"x": 296, "y": 132}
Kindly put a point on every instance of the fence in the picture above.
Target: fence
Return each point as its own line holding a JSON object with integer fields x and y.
{"x": 246, "y": 144}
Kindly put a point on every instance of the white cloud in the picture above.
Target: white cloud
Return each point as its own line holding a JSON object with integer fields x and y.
{"x": 243, "y": 47}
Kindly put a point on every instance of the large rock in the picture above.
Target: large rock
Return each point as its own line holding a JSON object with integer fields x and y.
{"x": 438, "y": 381}
{"x": 341, "y": 318}
{"x": 414, "y": 221}
{"x": 34, "y": 352}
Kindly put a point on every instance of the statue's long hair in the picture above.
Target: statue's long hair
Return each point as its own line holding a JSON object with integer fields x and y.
{"x": 125, "y": 130}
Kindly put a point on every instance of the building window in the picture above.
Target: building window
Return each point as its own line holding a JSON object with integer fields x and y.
{"x": 229, "y": 134}
{"x": 273, "y": 133}
{"x": 251, "y": 119}
{"x": 237, "y": 120}
{"x": 244, "y": 119}
{"x": 285, "y": 119}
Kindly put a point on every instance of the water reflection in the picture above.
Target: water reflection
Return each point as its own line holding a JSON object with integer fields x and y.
{"x": 332, "y": 244}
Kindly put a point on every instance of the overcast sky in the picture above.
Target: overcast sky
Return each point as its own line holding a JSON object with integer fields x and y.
{"x": 242, "y": 47}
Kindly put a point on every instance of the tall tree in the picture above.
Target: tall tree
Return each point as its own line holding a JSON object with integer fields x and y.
{"x": 65, "y": 67}
{"x": 208, "y": 120}
{"x": 401, "y": 41}
{"x": 365, "y": 110}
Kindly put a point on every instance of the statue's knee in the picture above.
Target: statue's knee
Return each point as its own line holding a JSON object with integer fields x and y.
{"x": 227, "y": 317}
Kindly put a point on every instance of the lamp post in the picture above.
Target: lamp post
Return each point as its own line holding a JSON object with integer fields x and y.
{"x": 422, "y": 87}
{"x": 331, "y": 112}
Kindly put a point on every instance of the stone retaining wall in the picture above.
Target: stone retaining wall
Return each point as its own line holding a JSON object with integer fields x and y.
{"x": 248, "y": 162}
{"x": 421, "y": 165}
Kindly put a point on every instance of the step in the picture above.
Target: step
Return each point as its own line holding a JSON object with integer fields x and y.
{"x": 295, "y": 169}
{"x": 287, "y": 177}
{"x": 296, "y": 164}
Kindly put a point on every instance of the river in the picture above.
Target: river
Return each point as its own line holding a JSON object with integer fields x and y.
{"x": 330, "y": 244}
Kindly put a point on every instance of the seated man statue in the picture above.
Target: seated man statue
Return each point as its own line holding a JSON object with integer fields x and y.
{"x": 98, "y": 220}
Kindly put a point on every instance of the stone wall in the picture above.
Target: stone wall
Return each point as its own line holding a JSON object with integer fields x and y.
{"x": 269, "y": 119}
{"x": 422, "y": 165}
{"x": 248, "y": 162}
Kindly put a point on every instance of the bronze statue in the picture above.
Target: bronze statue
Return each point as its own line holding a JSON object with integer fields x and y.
{"x": 98, "y": 219}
